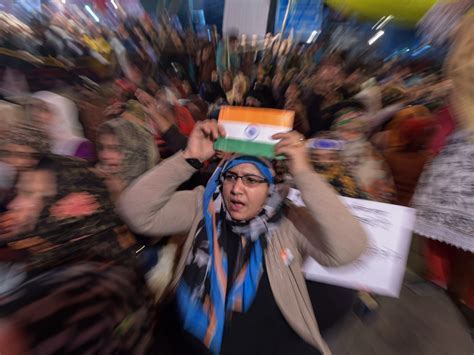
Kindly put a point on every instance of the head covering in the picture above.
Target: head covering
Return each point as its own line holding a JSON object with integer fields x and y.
{"x": 393, "y": 127}
{"x": 416, "y": 131}
{"x": 135, "y": 108}
{"x": 78, "y": 223}
{"x": 65, "y": 131}
{"x": 362, "y": 160}
{"x": 29, "y": 136}
{"x": 137, "y": 145}
{"x": 202, "y": 295}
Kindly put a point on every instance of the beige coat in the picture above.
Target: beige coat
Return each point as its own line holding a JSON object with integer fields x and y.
{"x": 325, "y": 230}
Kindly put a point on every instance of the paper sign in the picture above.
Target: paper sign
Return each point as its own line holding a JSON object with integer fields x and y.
{"x": 249, "y": 130}
{"x": 382, "y": 267}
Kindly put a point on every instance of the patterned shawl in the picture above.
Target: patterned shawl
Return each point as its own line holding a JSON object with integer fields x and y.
{"x": 137, "y": 145}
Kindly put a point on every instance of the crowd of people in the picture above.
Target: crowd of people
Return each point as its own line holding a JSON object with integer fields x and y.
{"x": 124, "y": 231}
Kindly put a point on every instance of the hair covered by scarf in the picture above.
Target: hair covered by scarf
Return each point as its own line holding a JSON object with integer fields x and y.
{"x": 28, "y": 136}
{"x": 136, "y": 144}
{"x": 202, "y": 295}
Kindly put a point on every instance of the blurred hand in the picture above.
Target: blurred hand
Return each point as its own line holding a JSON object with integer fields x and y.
{"x": 9, "y": 223}
{"x": 149, "y": 103}
{"x": 292, "y": 145}
{"x": 201, "y": 140}
{"x": 114, "y": 109}
{"x": 154, "y": 110}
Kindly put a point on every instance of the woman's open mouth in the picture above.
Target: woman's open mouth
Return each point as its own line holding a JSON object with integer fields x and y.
{"x": 236, "y": 206}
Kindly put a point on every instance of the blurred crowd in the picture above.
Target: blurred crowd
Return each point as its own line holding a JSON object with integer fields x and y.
{"x": 87, "y": 111}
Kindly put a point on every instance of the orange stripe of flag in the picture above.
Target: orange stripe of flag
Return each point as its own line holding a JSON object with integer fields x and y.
{"x": 266, "y": 116}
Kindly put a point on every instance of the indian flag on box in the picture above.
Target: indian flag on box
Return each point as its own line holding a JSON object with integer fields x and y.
{"x": 249, "y": 130}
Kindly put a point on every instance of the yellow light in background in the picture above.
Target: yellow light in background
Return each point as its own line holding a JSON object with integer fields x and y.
{"x": 404, "y": 12}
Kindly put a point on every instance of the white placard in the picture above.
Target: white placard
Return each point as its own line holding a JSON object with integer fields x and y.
{"x": 382, "y": 267}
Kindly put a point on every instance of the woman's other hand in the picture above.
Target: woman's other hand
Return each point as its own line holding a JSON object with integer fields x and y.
{"x": 155, "y": 111}
{"x": 292, "y": 145}
{"x": 201, "y": 141}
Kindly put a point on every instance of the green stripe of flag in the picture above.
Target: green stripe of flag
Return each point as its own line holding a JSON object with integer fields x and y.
{"x": 245, "y": 147}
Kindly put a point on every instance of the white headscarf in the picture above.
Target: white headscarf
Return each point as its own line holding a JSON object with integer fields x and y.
{"x": 65, "y": 130}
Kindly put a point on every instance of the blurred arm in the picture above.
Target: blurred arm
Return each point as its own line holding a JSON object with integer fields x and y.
{"x": 328, "y": 231}
{"x": 151, "y": 205}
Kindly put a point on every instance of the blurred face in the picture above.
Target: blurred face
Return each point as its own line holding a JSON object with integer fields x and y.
{"x": 252, "y": 101}
{"x": 226, "y": 82}
{"x": 348, "y": 125}
{"x": 277, "y": 80}
{"x": 21, "y": 157}
{"x": 187, "y": 88}
{"x": 42, "y": 114}
{"x": 33, "y": 187}
{"x": 260, "y": 74}
{"x": 110, "y": 154}
{"x": 214, "y": 76}
{"x": 134, "y": 74}
{"x": 292, "y": 92}
{"x": 244, "y": 202}
{"x": 323, "y": 156}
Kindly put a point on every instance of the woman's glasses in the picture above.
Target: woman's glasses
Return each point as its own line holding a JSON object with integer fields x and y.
{"x": 247, "y": 180}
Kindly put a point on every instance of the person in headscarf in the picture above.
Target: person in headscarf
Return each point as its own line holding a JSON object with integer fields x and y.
{"x": 408, "y": 157}
{"x": 81, "y": 293}
{"x": 239, "y": 284}
{"x": 125, "y": 151}
{"x": 393, "y": 138}
{"x": 22, "y": 148}
{"x": 171, "y": 122}
{"x": 19, "y": 151}
{"x": 444, "y": 196}
{"x": 57, "y": 116}
{"x": 363, "y": 161}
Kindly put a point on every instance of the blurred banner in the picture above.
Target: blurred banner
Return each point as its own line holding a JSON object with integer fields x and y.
{"x": 246, "y": 17}
{"x": 381, "y": 268}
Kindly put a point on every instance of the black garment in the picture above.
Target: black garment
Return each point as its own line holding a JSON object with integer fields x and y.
{"x": 263, "y": 94}
{"x": 332, "y": 303}
{"x": 262, "y": 330}
{"x": 210, "y": 91}
{"x": 316, "y": 118}
{"x": 175, "y": 140}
